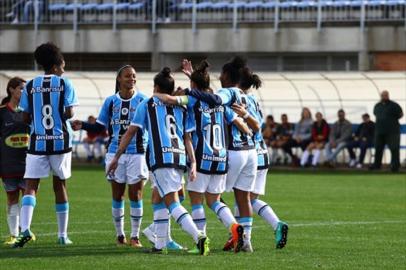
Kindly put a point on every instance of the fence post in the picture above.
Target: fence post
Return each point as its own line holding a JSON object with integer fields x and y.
{"x": 319, "y": 15}
{"x": 153, "y": 16}
{"x": 235, "y": 16}
{"x": 115, "y": 16}
{"x": 194, "y": 16}
{"x": 276, "y": 20}
{"x": 362, "y": 19}
{"x": 75, "y": 17}
{"x": 36, "y": 15}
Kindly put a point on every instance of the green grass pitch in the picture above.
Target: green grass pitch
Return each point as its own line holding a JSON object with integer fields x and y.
{"x": 337, "y": 221}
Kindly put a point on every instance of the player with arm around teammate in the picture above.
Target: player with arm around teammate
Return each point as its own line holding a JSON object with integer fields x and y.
{"x": 249, "y": 81}
{"x": 209, "y": 142}
{"x": 47, "y": 102}
{"x": 242, "y": 160}
{"x": 115, "y": 116}
{"x": 168, "y": 129}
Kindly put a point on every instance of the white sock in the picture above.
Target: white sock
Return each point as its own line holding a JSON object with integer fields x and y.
{"x": 118, "y": 216}
{"x": 266, "y": 212}
{"x": 161, "y": 225}
{"x": 236, "y": 212}
{"x": 169, "y": 237}
{"x": 62, "y": 216}
{"x": 13, "y": 214}
{"x": 28, "y": 203}
{"x": 305, "y": 157}
{"x": 87, "y": 148}
{"x": 136, "y": 212}
{"x": 223, "y": 213}
{"x": 199, "y": 217}
{"x": 246, "y": 222}
{"x": 316, "y": 156}
{"x": 183, "y": 218}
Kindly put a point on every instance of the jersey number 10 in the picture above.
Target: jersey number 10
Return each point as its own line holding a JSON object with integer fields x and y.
{"x": 215, "y": 131}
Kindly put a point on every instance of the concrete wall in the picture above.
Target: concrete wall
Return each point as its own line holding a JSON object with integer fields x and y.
{"x": 179, "y": 38}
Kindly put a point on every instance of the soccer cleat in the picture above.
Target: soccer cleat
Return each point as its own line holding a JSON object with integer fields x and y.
{"x": 121, "y": 240}
{"x": 150, "y": 235}
{"x": 22, "y": 239}
{"x": 229, "y": 244}
{"x": 247, "y": 247}
{"x": 154, "y": 250}
{"x": 281, "y": 234}
{"x": 172, "y": 245}
{"x": 203, "y": 245}
{"x": 64, "y": 241}
{"x": 194, "y": 251}
{"x": 237, "y": 232}
{"x": 135, "y": 242}
{"x": 10, "y": 241}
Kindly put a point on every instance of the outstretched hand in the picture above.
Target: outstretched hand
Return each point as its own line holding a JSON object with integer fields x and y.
{"x": 187, "y": 67}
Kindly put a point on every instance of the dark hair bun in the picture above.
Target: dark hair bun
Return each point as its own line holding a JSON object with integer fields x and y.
{"x": 203, "y": 66}
{"x": 166, "y": 71}
{"x": 238, "y": 62}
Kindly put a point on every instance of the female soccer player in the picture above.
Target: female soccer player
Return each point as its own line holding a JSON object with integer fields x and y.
{"x": 242, "y": 160}
{"x": 47, "y": 102}
{"x": 249, "y": 80}
{"x": 14, "y": 134}
{"x": 132, "y": 170}
{"x": 168, "y": 129}
{"x": 209, "y": 142}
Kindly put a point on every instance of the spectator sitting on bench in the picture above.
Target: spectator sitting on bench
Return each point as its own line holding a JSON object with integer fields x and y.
{"x": 270, "y": 130}
{"x": 301, "y": 136}
{"x": 320, "y": 131}
{"x": 283, "y": 134}
{"x": 340, "y": 134}
{"x": 362, "y": 138}
{"x": 97, "y": 140}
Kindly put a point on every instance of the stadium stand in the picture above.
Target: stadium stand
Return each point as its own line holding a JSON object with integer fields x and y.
{"x": 139, "y": 11}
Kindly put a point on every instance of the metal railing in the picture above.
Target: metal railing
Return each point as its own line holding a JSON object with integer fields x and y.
{"x": 155, "y": 12}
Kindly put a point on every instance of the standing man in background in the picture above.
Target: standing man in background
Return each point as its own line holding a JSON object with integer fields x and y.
{"x": 387, "y": 131}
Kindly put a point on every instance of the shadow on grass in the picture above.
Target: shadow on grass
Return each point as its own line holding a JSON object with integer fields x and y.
{"x": 50, "y": 251}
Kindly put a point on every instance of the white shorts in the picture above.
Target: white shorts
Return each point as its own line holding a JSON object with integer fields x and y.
{"x": 38, "y": 166}
{"x": 260, "y": 182}
{"x": 211, "y": 183}
{"x": 167, "y": 180}
{"x": 242, "y": 170}
{"x": 130, "y": 170}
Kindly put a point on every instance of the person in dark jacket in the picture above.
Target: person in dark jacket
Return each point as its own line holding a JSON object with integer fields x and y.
{"x": 14, "y": 134}
{"x": 387, "y": 130}
{"x": 362, "y": 138}
{"x": 320, "y": 132}
{"x": 340, "y": 134}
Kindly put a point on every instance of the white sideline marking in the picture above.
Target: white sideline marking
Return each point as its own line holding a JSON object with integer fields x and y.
{"x": 315, "y": 224}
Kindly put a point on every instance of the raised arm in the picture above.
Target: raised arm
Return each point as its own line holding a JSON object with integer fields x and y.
{"x": 209, "y": 98}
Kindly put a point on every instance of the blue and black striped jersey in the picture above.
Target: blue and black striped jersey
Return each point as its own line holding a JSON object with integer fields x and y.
{"x": 260, "y": 145}
{"x": 238, "y": 140}
{"x": 210, "y": 137}
{"x": 166, "y": 126}
{"x": 45, "y": 99}
{"x": 116, "y": 115}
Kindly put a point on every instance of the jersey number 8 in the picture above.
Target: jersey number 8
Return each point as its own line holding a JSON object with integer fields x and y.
{"x": 47, "y": 119}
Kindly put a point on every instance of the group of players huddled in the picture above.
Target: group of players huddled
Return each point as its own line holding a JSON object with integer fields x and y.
{"x": 214, "y": 136}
